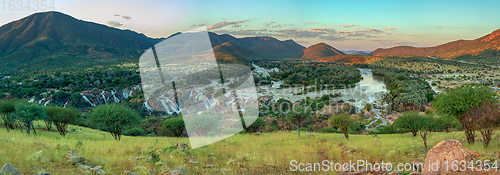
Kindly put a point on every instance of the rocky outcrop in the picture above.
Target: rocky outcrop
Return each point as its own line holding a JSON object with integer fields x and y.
{"x": 445, "y": 151}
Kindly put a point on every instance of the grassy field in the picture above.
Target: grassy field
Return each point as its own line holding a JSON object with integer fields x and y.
{"x": 269, "y": 153}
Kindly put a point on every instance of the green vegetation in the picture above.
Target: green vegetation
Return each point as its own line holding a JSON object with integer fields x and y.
{"x": 114, "y": 118}
{"x": 409, "y": 121}
{"x": 27, "y": 114}
{"x": 322, "y": 76}
{"x": 458, "y": 101}
{"x": 488, "y": 57}
{"x": 174, "y": 126}
{"x": 61, "y": 117}
{"x": 297, "y": 116}
{"x": 342, "y": 122}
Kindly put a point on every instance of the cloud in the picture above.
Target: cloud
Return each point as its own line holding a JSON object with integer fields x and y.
{"x": 348, "y": 25}
{"x": 277, "y": 26}
{"x": 196, "y": 25}
{"x": 224, "y": 23}
{"x": 312, "y": 22}
{"x": 259, "y": 32}
{"x": 272, "y": 22}
{"x": 416, "y": 35}
{"x": 114, "y": 24}
{"x": 389, "y": 28}
{"x": 126, "y": 17}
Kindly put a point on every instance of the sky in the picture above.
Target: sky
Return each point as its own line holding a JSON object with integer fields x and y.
{"x": 345, "y": 25}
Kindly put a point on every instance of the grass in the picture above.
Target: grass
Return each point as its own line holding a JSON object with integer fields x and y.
{"x": 269, "y": 153}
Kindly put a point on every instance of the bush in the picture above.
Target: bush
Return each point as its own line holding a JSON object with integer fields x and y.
{"x": 174, "y": 127}
{"x": 387, "y": 129}
{"x": 134, "y": 132}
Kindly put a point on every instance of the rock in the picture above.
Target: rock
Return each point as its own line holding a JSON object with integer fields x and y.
{"x": 160, "y": 163}
{"x": 133, "y": 158}
{"x": 131, "y": 173}
{"x": 208, "y": 166}
{"x": 98, "y": 170}
{"x": 415, "y": 173}
{"x": 257, "y": 133}
{"x": 148, "y": 159}
{"x": 176, "y": 172}
{"x": 74, "y": 158}
{"x": 193, "y": 162}
{"x": 448, "y": 150}
{"x": 83, "y": 167}
{"x": 141, "y": 170}
{"x": 181, "y": 145}
{"x": 43, "y": 174}
{"x": 9, "y": 169}
{"x": 309, "y": 135}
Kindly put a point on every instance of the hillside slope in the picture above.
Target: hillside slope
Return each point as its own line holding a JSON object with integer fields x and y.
{"x": 56, "y": 40}
{"x": 449, "y": 50}
{"x": 319, "y": 50}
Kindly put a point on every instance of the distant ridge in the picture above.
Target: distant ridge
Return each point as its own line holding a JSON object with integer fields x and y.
{"x": 349, "y": 59}
{"x": 319, "y": 50}
{"x": 449, "y": 50}
{"x": 56, "y": 40}
{"x": 255, "y": 47}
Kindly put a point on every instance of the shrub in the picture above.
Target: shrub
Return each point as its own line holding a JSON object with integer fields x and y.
{"x": 174, "y": 126}
{"x": 137, "y": 131}
{"x": 62, "y": 117}
{"x": 328, "y": 130}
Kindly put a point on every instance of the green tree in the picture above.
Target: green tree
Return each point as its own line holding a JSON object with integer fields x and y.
{"x": 409, "y": 121}
{"x": 427, "y": 124}
{"x": 174, "y": 126}
{"x": 7, "y": 107}
{"x": 203, "y": 124}
{"x": 457, "y": 101}
{"x": 115, "y": 118}
{"x": 297, "y": 116}
{"x": 62, "y": 117}
{"x": 342, "y": 122}
{"x": 27, "y": 113}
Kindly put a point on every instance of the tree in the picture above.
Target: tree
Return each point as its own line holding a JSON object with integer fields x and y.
{"x": 174, "y": 126}
{"x": 115, "y": 118}
{"x": 456, "y": 102}
{"x": 7, "y": 107}
{"x": 409, "y": 121}
{"x": 27, "y": 113}
{"x": 62, "y": 117}
{"x": 485, "y": 119}
{"x": 427, "y": 124}
{"x": 342, "y": 122}
{"x": 297, "y": 116}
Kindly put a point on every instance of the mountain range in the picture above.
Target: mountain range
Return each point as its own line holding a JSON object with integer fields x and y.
{"x": 54, "y": 40}
{"x": 48, "y": 41}
{"x": 449, "y": 50}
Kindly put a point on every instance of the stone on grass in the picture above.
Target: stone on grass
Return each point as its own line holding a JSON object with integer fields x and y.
{"x": 448, "y": 150}
{"x": 176, "y": 172}
{"x": 133, "y": 158}
{"x": 9, "y": 169}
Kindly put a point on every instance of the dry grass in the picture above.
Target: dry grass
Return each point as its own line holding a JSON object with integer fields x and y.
{"x": 269, "y": 153}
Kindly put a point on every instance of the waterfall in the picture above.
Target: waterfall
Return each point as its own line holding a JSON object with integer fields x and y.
{"x": 66, "y": 104}
{"x": 32, "y": 100}
{"x": 104, "y": 97}
{"x": 86, "y": 99}
{"x": 46, "y": 103}
{"x": 114, "y": 96}
{"x": 41, "y": 100}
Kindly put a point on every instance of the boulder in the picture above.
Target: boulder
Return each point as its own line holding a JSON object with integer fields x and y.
{"x": 9, "y": 169}
{"x": 130, "y": 173}
{"x": 176, "y": 172}
{"x": 133, "y": 158}
{"x": 74, "y": 158}
{"x": 448, "y": 150}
